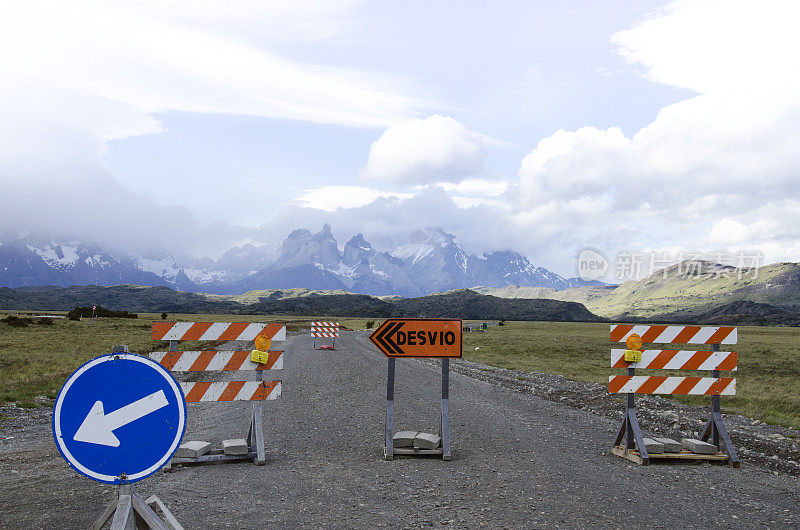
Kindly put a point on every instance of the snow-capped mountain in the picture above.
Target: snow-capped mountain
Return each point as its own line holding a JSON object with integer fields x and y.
{"x": 432, "y": 261}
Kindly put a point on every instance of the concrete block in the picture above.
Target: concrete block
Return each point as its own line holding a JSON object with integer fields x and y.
{"x": 404, "y": 439}
{"x": 670, "y": 445}
{"x": 699, "y": 446}
{"x": 193, "y": 449}
{"x": 426, "y": 440}
{"x": 235, "y": 446}
{"x": 653, "y": 447}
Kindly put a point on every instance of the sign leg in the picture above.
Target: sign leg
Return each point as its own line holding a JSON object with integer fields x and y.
{"x": 259, "y": 435}
{"x": 446, "y": 454}
{"x": 105, "y": 516}
{"x": 388, "y": 448}
{"x": 124, "y": 517}
{"x": 146, "y": 513}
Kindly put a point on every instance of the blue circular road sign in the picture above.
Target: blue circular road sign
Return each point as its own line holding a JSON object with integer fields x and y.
{"x": 119, "y": 418}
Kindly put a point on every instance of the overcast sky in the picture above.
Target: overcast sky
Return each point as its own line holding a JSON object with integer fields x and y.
{"x": 543, "y": 127}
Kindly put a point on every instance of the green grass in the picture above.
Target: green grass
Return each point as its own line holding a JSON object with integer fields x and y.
{"x": 36, "y": 360}
{"x": 768, "y": 379}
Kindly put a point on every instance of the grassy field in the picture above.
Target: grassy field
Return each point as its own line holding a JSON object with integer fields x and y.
{"x": 36, "y": 360}
{"x": 767, "y": 383}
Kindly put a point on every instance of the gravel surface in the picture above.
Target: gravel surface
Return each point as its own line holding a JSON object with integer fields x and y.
{"x": 528, "y": 451}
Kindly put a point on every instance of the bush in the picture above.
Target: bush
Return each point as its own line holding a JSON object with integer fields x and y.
{"x": 17, "y": 322}
{"x": 163, "y": 316}
{"x": 370, "y": 324}
{"x": 44, "y": 321}
{"x": 502, "y": 323}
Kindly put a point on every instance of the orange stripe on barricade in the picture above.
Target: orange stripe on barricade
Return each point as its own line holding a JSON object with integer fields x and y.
{"x": 718, "y": 386}
{"x": 273, "y": 358}
{"x": 617, "y": 382}
{"x": 620, "y": 331}
{"x": 720, "y": 334}
{"x": 696, "y": 360}
{"x": 652, "y": 334}
{"x": 234, "y": 330}
{"x": 196, "y": 331}
{"x": 237, "y": 360}
{"x": 686, "y": 334}
{"x": 231, "y": 391}
{"x": 170, "y": 359}
{"x": 662, "y": 359}
{"x": 202, "y": 361}
{"x": 729, "y": 363}
{"x": 197, "y": 391}
{"x": 160, "y": 329}
{"x": 686, "y": 385}
{"x": 264, "y": 390}
{"x": 651, "y": 384}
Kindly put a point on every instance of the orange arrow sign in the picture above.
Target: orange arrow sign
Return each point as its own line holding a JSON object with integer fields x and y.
{"x": 418, "y": 337}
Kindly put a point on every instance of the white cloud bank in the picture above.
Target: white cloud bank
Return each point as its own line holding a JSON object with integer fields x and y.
{"x": 186, "y": 56}
{"x": 436, "y": 149}
{"x": 719, "y": 170}
{"x": 75, "y": 75}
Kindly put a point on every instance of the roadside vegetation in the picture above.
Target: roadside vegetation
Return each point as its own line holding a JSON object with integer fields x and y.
{"x": 767, "y": 382}
{"x": 37, "y": 357}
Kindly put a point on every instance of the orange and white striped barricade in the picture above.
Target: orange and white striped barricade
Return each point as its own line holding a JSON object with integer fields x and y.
{"x": 325, "y": 330}
{"x": 714, "y": 386}
{"x": 256, "y": 390}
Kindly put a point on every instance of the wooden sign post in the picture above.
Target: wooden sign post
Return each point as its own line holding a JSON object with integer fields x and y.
{"x": 418, "y": 338}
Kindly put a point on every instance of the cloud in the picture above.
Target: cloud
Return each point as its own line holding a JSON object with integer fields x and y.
{"x": 701, "y": 173}
{"x": 473, "y": 187}
{"x": 80, "y": 74}
{"x": 436, "y": 149}
{"x": 330, "y": 198}
{"x": 181, "y": 57}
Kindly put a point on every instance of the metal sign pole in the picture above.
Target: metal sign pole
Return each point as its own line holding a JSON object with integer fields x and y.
{"x": 446, "y": 455}
{"x": 388, "y": 451}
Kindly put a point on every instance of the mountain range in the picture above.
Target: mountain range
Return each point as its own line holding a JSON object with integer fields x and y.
{"x": 432, "y": 261}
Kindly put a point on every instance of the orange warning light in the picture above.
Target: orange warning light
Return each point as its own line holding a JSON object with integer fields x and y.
{"x": 634, "y": 342}
{"x": 263, "y": 342}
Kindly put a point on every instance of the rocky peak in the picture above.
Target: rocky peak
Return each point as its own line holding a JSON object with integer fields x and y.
{"x": 301, "y": 248}
{"x": 356, "y": 250}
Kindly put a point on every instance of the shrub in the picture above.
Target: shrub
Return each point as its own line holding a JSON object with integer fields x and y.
{"x": 163, "y": 316}
{"x": 17, "y": 322}
{"x": 370, "y": 324}
{"x": 44, "y": 321}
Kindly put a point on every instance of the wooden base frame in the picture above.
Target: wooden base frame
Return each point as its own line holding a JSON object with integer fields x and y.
{"x": 685, "y": 455}
{"x": 131, "y": 511}
{"x": 389, "y": 451}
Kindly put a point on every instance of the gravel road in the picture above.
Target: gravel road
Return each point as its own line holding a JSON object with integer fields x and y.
{"x": 519, "y": 461}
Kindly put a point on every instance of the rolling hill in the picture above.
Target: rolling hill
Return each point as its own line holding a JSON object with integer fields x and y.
{"x": 685, "y": 291}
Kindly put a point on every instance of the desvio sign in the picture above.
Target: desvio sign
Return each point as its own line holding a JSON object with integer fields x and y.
{"x": 411, "y": 337}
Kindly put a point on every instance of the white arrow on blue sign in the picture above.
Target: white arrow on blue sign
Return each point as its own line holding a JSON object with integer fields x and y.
{"x": 119, "y": 418}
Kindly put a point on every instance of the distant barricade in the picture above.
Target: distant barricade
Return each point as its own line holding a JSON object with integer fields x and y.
{"x": 325, "y": 330}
